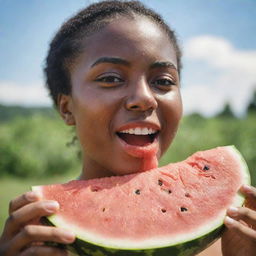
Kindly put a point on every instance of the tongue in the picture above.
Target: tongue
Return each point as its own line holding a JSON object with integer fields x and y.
{"x": 136, "y": 140}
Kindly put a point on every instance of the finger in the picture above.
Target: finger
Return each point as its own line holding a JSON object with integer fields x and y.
{"x": 240, "y": 228}
{"x": 27, "y": 213}
{"x": 249, "y": 191}
{"x": 246, "y": 215}
{"x": 22, "y": 200}
{"x": 35, "y": 233}
{"x": 243, "y": 213}
{"x": 43, "y": 250}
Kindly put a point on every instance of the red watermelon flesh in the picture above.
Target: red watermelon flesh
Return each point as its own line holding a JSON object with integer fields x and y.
{"x": 155, "y": 208}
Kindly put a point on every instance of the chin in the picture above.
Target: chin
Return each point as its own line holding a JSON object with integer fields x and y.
{"x": 135, "y": 166}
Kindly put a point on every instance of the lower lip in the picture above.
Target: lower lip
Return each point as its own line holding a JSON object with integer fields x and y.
{"x": 147, "y": 153}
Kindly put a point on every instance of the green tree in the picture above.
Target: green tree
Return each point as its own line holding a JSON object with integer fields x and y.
{"x": 252, "y": 104}
{"x": 36, "y": 146}
{"x": 226, "y": 112}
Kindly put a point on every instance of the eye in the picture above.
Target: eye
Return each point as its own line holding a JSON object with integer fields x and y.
{"x": 109, "y": 80}
{"x": 163, "y": 83}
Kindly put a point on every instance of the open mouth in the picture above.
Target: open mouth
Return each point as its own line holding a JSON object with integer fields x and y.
{"x": 138, "y": 137}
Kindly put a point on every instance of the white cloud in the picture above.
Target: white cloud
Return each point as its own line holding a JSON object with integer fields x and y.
{"x": 232, "y": 79}
{"x": 220, "y": 53}
{"x": 203, "y": 99}
{"x": 23, "y": 94}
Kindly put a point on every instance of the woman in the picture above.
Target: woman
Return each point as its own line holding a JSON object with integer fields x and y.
{"x": 113, "y": 72}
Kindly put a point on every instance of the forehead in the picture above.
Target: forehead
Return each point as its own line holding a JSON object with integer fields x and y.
{"x": 130, "y": 38}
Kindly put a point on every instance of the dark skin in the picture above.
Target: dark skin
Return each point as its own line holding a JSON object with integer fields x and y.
{"x": 126, "y": 75}
{"x": 127, "y": 85}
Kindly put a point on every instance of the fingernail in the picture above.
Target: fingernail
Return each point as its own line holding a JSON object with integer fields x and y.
{"x": 32, "y": 196}
{"x": 233, "y": 211}
{"x": 229, "y": 221}
{"x": 247, "y": 188}
{"x": 68, "y": 236}
{"x": 52, "y": 206}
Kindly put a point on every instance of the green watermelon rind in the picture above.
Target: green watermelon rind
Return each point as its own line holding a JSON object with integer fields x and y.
{"x": 189, "y": 248}
{"x": 184, "y": 247}
{"x": 82, "y": 248}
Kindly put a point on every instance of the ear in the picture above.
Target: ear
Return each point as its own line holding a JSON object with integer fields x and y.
{"x": 65, "y": 107}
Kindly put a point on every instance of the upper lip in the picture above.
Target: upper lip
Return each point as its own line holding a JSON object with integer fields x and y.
{"x": 139, "y": 124}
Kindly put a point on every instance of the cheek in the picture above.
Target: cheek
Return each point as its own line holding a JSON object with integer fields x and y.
{"x": 94, "y": 114}
{"x": 171, "y": 115}
{"x": 87, "y": 116}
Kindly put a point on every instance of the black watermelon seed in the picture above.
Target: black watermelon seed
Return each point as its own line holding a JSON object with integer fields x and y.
{"x": 160, "y": 182}
{"x": 137, "y": 192}
{"x": 187, "y": 194}
{"x": 163, "y": 210}
{"x": 183, "y": 209}
{"x": 206, "y": 168}
{"x": 103, "y": 209}
{"x": 167, "y": 191}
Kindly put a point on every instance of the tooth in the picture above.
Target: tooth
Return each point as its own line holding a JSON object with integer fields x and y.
{"x": 153, "y": 131}
{"x": 130, "y": 131}
{"x": 137, "y": 131}
{"x": 144, "y": 131}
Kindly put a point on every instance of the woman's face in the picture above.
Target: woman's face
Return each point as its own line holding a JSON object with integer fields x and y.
{"x": 125, "y": 97}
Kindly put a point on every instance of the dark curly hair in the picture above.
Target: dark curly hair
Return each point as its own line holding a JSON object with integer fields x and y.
{"x": 66, "y": 45}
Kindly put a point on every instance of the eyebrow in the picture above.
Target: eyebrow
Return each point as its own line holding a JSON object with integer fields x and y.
{"x": 115, "y": 60}
{"x": 163, "y": 64}
{"x": 112, "y": 60}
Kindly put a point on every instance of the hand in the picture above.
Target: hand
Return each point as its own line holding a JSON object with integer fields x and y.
{"x": 22, "y": 238}
{"x": 240, "y": 237}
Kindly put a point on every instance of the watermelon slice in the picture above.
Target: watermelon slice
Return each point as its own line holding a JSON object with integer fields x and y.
{"x": 174, "y": 210}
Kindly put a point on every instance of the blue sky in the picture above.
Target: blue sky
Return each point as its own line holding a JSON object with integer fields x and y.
{"x": 224, "y": 30}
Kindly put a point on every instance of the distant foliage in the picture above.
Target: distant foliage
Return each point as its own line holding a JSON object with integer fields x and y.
{"x": 8, "y": 113}
{"x": 226, "y": 112}
{"x": 198, "y": 133}
{"x": 251, "y": 109}
{"x": 36, "y": 146}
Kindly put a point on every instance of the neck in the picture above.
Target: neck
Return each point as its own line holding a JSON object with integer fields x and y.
{"x": 90, "y": 171}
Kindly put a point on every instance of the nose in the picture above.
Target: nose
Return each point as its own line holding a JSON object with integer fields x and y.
{"x": 141, "y": 97}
